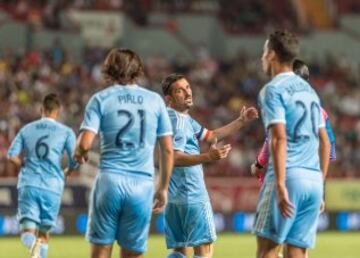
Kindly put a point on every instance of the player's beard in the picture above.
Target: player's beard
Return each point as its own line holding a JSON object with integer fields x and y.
{"x": 183, "y": 107}
{"x": 187, "y": 106}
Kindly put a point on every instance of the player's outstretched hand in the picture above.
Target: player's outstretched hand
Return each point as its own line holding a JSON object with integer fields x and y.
{"x": 216, "y": 153}
{"x": 160, "y": 200}
{"x": 285, "y": 206}
{"x": 258, "y": 172}
{"x": 248, "y": 114}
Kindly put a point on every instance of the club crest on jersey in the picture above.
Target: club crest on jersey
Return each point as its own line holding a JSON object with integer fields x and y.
{"x": 178, "y": 138}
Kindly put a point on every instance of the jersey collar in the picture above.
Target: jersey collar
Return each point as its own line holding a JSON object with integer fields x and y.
{"x": 284, "y": 74}
{"x": 127, "y": 86}
{"x": 181, "y": 114}
{"x": 48, "y": 118}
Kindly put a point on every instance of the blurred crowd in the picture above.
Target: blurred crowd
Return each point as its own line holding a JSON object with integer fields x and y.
{"x": 237, "y": 16}
{"x": 220, "y": 89}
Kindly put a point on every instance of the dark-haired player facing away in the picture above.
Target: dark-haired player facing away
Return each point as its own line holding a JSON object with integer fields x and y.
{"x": 129, "y": 120}
{"x": 41, "y": 181}
{"x": 291, "y": 195}
{"x": 261, "y": 161}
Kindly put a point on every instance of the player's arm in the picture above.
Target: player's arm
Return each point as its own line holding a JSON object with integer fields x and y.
{"x": 332, "y": 140}
{"x": 15, "y": 150}
{"x": 182, "y": 159}
{"x": 324, "y": 154}
{"x": 70, "y": 146}
{"x": 324, "y": 151}
{"x": 278, "y": 146}
{"x": 258, "y": 167}
{"x": 16, "y": 161}
{"x": 84, "y": 144}
{"x": 89, "y": 128}
{"x": 330, "y": 134}
{"x": 273, "y": 110}
{"x": 166, "y": 156}
{"x": 246, "y": 115}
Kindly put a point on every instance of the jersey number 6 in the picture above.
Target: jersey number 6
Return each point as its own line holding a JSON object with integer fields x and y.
{"x": 41, "y": 148}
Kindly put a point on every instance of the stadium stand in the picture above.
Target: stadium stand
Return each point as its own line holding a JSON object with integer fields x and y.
{"x": 221, "y": 86}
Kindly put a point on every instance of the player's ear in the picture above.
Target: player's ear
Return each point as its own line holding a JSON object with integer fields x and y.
{"x": 168, "y": 99}
{"x": 271, "y": 55}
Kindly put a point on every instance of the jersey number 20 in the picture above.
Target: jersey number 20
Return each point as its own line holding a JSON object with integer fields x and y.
{"x": 314, "y": 109}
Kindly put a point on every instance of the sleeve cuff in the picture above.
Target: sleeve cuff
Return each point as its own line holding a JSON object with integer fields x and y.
{"x": 275, "y": 121}
{"x": 12, "y": 155}
{"x": 164, "y": 134}
{"x": 88, "y": 128}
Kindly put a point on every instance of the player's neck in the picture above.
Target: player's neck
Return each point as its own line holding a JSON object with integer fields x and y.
{"x": 280, "y": 68}
{"x": 51, "y": 116}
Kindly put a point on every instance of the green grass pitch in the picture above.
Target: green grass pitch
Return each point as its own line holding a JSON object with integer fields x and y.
{"x": 329, "y": 245}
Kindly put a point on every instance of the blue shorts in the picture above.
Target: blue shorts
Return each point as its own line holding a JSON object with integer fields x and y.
{"x": 300, "y": 229}
{"x": 120, "y": 209}
{"x": 38, "y": 205}
{"x": 189, "y": 225}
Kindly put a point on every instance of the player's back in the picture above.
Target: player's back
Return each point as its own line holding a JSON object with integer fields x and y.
{"x": 42, "y": 144}
{"x": 299, "y": 108}
{"x": 129, "y": 119}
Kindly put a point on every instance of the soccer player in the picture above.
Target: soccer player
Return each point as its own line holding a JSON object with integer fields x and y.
{"x": 290, "y": 198}
{"x": 129, "y": 120}
{"x": 41, "y": 181}
{"x": 188, "y": 215}
{"x": 258, "y": 167}
{"x": 262, "y": 159}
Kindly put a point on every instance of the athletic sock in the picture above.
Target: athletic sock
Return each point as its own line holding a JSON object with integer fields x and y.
{"x": 28, "y": 239}
{"x": 44, "y": 250}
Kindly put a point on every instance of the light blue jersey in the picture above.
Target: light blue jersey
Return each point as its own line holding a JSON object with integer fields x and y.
{"x": 128, "y": 119}
{"x": 187, "y": 183}
{"x": 189, "y": 218}
{"x": 42, "y": 144}
{"x": 290, "y": 100}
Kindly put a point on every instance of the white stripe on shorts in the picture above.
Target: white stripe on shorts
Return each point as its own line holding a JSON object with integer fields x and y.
{"x": 264, "y": 209}
{"x": 210, "y": 219}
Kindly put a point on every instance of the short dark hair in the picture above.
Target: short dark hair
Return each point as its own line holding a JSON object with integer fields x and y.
{"x": 122, "y": 66}
{"x": 301, "y": 69}
{"x": 285, "y": 45}
{"x": 168, "y": 81}
{"x": 51, "y": 102}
